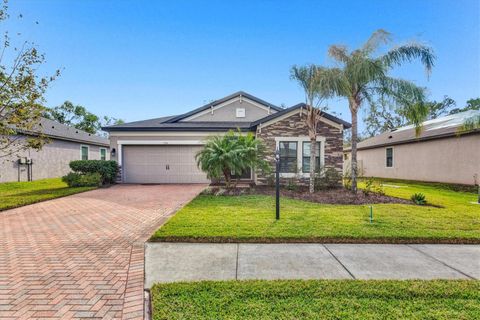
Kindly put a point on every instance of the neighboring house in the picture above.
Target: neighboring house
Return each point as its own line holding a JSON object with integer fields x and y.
{"x": 64, "y": 145}
{"x": 163, "y": 150}
{"x": 439, "y": 154}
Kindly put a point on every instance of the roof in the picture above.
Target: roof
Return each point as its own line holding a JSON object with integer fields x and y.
{"x": 326, "y": 115}
{"x": 219, "y": 101}
{"x": 173, "y": 123}
{"x": 57, "y": 130}
{"x": 155, "y": 125}
{"x": 443, "y": 127}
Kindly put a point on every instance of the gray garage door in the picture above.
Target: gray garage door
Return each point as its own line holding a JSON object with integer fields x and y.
{"x": 161, "y": 164}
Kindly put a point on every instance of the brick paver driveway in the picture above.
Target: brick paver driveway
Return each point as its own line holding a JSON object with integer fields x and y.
{"x": 82, "y": 256}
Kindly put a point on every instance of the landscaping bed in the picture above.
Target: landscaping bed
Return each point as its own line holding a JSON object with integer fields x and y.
{"x": 330, "y": 196}
{"x": 317, "y": 299}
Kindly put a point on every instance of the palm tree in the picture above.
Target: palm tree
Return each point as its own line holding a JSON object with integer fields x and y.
{"x": 309, "y": 78}
{"x": 232, "y": 153}
{"x": 361, "y": 76}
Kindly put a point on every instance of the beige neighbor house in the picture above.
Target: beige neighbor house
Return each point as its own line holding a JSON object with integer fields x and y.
{"x": 64, "y": 144}
{"x": 439, "y": 154}
{"x": 163, "y": 150}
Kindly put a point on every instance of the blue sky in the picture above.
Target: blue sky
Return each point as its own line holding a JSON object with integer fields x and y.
{"x": 144, "y": 59}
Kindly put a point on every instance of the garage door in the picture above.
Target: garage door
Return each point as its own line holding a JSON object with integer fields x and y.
{"x": 161, "y": 164}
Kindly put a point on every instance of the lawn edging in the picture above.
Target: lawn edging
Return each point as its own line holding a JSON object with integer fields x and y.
{"x": 345, "y": 240}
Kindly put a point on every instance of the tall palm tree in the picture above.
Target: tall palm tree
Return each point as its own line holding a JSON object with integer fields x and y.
{"x": 309, "y": 78}
{"x": 362, "y": 75}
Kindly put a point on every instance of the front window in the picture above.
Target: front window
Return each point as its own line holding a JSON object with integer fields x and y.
{"x": 103, "y": 154}
{"x": 306, "y": 157}
{"x": 288, "y": 156}
{"x": 84, "y": 152}
{"x": 389, "y": 156}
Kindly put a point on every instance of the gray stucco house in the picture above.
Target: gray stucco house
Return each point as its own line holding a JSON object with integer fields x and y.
{"x": 64, "y": 144}
{"x": 439, "y": 154}
{"x": 163, "y": 150}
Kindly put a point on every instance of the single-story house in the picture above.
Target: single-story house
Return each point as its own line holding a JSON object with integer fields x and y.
{"x": 64, "y": 144}
{"x": 439, "y": 154}
{"x": 163, "y": 150}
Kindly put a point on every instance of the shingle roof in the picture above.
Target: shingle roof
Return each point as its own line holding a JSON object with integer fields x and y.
{"x": 326, "y": 115}
{"x": 57, "y": 130}
{"x": 173, "y": 123}
{"x": 142, "y": 123}
{"x": 433, "y": 129}
{"x": 152, "y": 125}
{"x": 216, "y": 102}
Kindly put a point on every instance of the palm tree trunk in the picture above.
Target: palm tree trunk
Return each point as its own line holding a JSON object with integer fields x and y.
{"x": 226, "y": 173}
{"x": 313, "y": 147}
{"x": 354, "y": 149}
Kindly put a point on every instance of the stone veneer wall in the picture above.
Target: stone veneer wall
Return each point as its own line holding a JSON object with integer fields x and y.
{"x": 295, "y": 126}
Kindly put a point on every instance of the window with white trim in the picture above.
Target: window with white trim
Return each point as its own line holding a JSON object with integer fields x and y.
{"x": 306, "y": 157}
{"x": 389, "y": 157}
{"x": 103, "y": 154}
{"x": 84, "y": 152}
{"x": 288, "y": 156}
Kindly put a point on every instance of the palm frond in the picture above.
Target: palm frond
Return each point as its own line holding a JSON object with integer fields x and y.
{"x": 378, "y": 38}
{"x": 364, "y": 70}
{"x": 408, "y": 53}
{"x": 339, "y": 53}
{"x": 333, "y": 81}
{"x": 409, "y": 97}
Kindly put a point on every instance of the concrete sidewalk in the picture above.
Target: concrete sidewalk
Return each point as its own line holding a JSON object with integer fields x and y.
{"x": 169, "y": 262}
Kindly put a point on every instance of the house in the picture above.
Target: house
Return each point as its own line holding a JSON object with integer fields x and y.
{"x": 439, "y": 154}
{"x": 163, "y": 150}
{"x": 64, "y": 144}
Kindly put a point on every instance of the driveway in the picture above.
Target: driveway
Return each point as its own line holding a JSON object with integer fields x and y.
{"x": 82, "y": 256}
{"x": 170, "y": 262}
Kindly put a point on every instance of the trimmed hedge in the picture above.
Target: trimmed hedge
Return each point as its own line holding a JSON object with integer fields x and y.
{"x": 74, "y": 179}
{"x": 108, "y": 170}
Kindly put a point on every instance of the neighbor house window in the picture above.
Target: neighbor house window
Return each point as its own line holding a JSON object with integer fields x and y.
{"x": 103, "y": 154}
{"x": 306, "y": 157}
{"x": 389, "y": 154}
{"x": 84, "y": 152}
{"x": 288, "y": 156}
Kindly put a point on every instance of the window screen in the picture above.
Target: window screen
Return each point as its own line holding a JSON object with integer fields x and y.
{"x": 288, "y": 156}
{"x": 389, "y": 154}
{"x": 306, "y": 157}
{"x": 84, "y": 152}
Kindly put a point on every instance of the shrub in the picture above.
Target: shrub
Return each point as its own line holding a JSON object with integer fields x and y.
{"x": 74, "y": 179}
{"x": 419, "y": 198}
{"x": 372, "y": 186}
{"x": 108, "y": 170}
{"x": 328, "y": 178}
{"x": 291, "y": 185}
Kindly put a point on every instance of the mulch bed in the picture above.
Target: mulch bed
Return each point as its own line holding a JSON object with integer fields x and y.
{"x": 330, "y": 196}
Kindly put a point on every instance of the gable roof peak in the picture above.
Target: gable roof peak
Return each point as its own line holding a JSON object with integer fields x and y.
{"x": 222, "y": 100}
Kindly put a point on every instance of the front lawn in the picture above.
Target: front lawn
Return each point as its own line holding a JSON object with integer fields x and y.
{"x": 251, "y": 218}
{"x": 317, "y": 299}
{"x": 17, "y": 194}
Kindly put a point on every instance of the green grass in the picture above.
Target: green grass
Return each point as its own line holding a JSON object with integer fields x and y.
{"x": 251, "y": 218}
{"x": 17, "y": 194}
{"x": 317, "y": 299}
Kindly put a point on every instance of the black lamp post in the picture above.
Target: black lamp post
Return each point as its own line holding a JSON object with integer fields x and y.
{"x": 277, "y": 184}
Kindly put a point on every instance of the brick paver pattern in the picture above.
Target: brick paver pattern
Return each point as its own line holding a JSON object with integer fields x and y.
{"x": 82, "y": 256}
